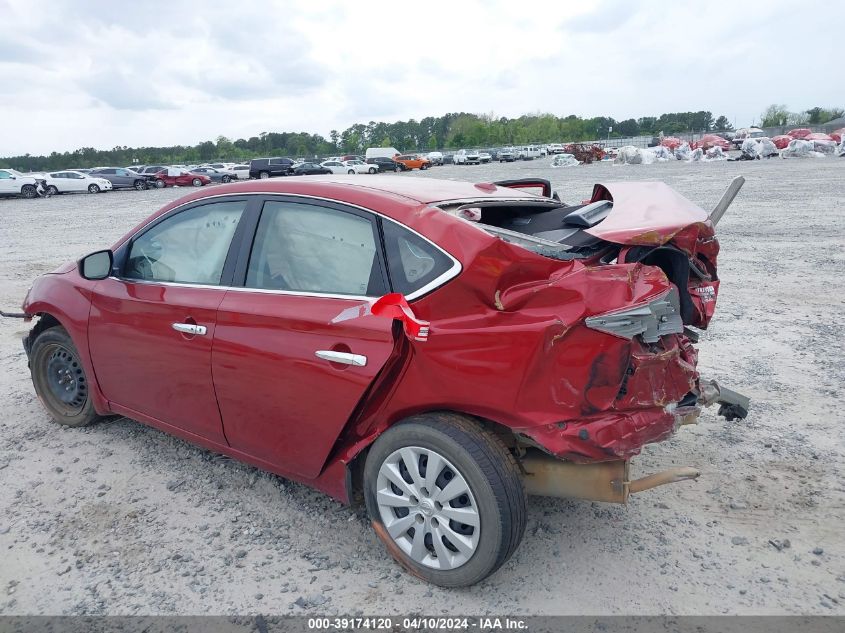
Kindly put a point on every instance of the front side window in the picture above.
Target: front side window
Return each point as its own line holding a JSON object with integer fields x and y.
{"x": 412, "y": 261}
{"x": 306, "y": 248}
{"x": 189, "y": 247}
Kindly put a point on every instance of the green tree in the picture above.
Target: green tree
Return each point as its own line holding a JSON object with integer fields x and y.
{"x": 775, "y": 115}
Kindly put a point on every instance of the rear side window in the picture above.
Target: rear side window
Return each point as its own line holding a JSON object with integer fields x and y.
{"x": 412, "y": 261}
{"x": 189, "y": 247}
{"x": 307, "y": 248}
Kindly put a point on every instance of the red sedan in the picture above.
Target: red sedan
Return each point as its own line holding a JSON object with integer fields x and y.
{"x": 179, "y": 178}
{"x": 711, "y": 140}
{"x": 441, "y": 348}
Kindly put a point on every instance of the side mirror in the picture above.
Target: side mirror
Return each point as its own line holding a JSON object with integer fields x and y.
{"x": 96, "y": 265}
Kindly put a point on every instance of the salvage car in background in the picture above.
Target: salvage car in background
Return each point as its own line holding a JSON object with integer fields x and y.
{"x": 270, "y": 167}
{"x": 14, "y": 183}
{"x": 466, "y": 157}
{"x": 709, "y": 141}
{"x": 439, "y": 347}
{"x": 122, "y": 178}
{"x": 745, "y": 133}
{"x": 174, "y": 177}
{"x": 350, "y": 167}
{"x": 241, "y": 172}
{"x": 310, "y": 169}
{"x": 384, "y": 164}
{"x": 215, "y": 175}
{"x": 506, "y": 155}
{"x": 409, "y": 162}
{"x": 74, "y": 182}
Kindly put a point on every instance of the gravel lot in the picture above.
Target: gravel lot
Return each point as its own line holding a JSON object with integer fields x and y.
{"x": 119, "y": 518}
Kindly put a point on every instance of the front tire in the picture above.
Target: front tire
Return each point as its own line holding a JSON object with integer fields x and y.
{"x": 196, "y": 182}
{"x": 372, "y": 170}
{"x": 93, "y": 189}
{"x": 160, "y": 184}
{"x": 226, "y": 179}
{"x": 446, "y": 498}
{"x": 52, "y": 190}
{"x": 59, "y": 378}
{"x": 29, "y": 191}
{"x": 140, "y": 185}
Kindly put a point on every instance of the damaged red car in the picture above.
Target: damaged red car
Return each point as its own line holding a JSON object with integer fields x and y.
{"x": 439, "y": 349}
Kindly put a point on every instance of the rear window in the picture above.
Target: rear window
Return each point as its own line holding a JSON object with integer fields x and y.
{"x": 413, "y": 262}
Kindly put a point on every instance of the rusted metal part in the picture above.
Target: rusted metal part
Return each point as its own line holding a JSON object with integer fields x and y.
{"x": 733, "y": 405}
{"x": 671, "y": 476}
{"x": 549, "y": 477}
{"x": 605, "y": 481}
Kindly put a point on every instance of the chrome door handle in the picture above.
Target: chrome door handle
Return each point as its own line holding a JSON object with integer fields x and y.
{"x": 342, "y": 357}
{"x": 190, "y": 328}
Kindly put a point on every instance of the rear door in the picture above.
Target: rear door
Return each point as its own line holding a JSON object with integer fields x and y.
{"x": 152, "y": 323}
{"x": 289, "y": 363}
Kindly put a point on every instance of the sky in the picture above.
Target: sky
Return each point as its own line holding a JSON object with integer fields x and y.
{"x": 104, "y": 74}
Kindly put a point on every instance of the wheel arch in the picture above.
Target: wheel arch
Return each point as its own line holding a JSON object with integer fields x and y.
{"x": 358, "y": 457}
{"x": 74, "y": 320}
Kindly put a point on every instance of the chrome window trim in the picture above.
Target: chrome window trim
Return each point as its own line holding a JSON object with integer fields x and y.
{"x": 448, "y": 275}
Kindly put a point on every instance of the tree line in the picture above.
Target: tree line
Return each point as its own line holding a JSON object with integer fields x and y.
{"x": 450, "y": 131}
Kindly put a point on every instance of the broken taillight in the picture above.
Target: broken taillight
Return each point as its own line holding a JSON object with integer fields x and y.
{"x": 651, "y": 320}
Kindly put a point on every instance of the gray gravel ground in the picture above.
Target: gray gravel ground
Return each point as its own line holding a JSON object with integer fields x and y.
{"x": 119, "y": 518}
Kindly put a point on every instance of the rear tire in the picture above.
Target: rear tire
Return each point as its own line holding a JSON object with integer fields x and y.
{"x": 469, "y": 512}
{"x": 263, "y": 175}
{"x": 372, "y": 170}
{"x": 59, "y": 378}
{"x": 351, "y": 172}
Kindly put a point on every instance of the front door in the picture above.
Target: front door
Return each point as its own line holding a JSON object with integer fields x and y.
{"x": 289, "y": 364}
{"x": 152, "y": 325}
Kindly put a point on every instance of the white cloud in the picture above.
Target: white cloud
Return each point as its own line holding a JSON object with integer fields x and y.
{"x": 100, "y": 74}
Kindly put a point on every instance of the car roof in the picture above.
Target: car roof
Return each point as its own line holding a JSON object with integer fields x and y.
{"x": 421, "y": 190}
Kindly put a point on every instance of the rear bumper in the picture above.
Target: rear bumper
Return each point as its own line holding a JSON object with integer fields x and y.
{"x": 655, "y": 393}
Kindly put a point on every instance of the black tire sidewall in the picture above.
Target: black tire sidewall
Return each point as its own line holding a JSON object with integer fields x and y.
{"x": 38, "y": 358}
{"x": 488, "y": 555}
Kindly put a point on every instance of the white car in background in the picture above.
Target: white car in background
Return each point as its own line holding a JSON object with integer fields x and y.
{"x": 484, "y": 157}
{"x": 14, "y": 183}
{"x": 349, "y": 167}
{"x": 226, "y": 168}
{"x": 241, "y": 172}
{"x": 436, "y": 158}
{"x": 74, "y": 181}
{"x": 466, "y": 157}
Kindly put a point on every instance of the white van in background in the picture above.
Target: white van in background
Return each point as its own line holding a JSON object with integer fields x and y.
{"x": 529, "y": 152}
{"x": 381, "y": 152}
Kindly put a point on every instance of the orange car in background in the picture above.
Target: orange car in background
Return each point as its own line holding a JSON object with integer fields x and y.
{"x": 408, "y": 162}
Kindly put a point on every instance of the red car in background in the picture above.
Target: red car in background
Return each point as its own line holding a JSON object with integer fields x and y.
{"x": 179, "y": 178}
{"x": 799, "y": 133}
{"x": 711, "y": 140}
{"x": 781, "y": 140}
{"x": 438, "y": 347}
